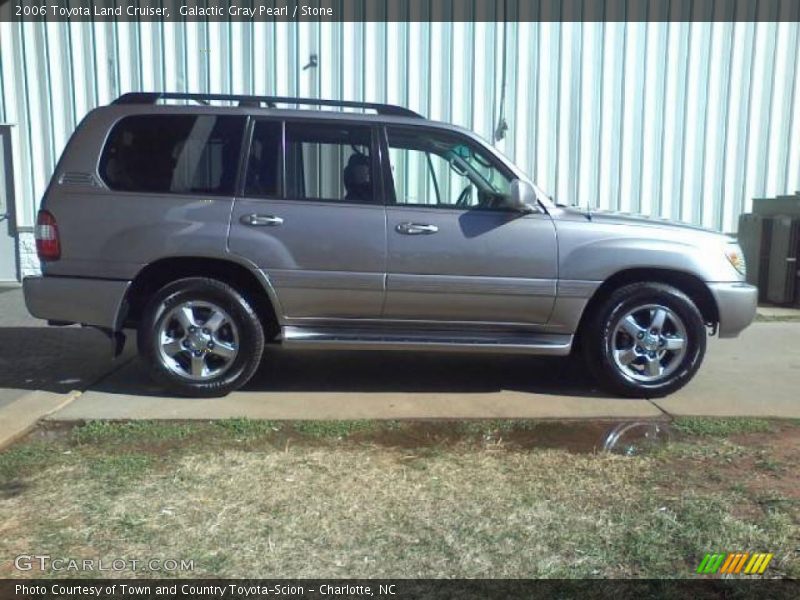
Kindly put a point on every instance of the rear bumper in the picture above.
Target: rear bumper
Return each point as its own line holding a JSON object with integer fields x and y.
{"x": 96, "y": 302}
{"x": 737, "y": 306}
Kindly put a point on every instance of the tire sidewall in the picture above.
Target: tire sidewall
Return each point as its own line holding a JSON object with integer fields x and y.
{"x": 251, "y": 339}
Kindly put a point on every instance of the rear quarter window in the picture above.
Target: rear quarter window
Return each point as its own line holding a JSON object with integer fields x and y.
{"x": 173, "y": 154}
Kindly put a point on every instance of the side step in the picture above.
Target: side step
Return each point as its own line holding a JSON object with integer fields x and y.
{"x": 349, "y": 339}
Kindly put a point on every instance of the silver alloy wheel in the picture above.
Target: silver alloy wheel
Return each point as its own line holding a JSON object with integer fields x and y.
{"x": 649, "y": 343}
{"x": 198, "y": 340}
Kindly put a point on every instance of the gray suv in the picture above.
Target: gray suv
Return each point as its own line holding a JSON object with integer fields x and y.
{"x": 214, "y": 229}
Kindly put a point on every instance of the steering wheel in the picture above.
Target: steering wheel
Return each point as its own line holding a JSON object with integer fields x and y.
{"x": 481, "y": 160}
{"x": 465, "y": 197}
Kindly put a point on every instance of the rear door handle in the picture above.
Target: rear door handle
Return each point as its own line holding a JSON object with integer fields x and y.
{"x": 416, "y": 229}
{"x": 261, "y": 220}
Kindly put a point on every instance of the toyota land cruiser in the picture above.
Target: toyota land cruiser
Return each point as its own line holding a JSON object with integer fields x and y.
{"x": 214, "y": 229}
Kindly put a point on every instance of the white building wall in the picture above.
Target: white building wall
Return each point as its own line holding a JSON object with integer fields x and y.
{"x": 681, "y": 120}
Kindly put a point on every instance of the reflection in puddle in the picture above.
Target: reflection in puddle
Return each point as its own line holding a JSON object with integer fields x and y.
{"x": 638, "y": 437}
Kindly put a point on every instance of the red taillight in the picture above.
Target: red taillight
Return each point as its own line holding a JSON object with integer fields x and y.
{"x": 48, "y": 246}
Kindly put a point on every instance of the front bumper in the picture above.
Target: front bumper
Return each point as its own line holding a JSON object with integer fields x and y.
{"x": 96, "y": 302}
{"x": 737, "y": 304}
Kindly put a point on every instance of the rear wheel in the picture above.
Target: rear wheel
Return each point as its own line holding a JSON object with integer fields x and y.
{"x": 200, "y": 337}
{"x": 645, "y": 340}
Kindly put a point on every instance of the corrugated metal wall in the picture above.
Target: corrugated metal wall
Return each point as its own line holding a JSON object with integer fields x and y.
{"x": 682, "y": 120}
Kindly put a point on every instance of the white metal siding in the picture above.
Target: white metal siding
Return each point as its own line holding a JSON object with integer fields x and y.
{"x": 681, "y": 120}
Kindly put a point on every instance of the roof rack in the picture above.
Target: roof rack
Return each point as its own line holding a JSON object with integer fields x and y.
{"x": 269, "y": 101}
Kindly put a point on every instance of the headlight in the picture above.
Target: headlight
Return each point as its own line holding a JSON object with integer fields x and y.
{"x": 734, "y": 255}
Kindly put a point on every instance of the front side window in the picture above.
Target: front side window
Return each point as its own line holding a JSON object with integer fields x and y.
{"x": 433, "y": 168}
{"x": 326, "y": 161}
{"x": 173, "y": 154}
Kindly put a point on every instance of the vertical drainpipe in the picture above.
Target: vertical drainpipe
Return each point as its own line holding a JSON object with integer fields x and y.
{"x": 502, "y": 125}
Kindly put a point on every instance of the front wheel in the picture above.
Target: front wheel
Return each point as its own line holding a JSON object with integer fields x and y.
{"x": 200, "y": 337}
{"x": 645, "y": 340}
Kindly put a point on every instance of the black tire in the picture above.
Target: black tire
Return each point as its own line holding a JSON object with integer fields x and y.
{"x": 599, "y": 338}
{"x": 249, "y": 331}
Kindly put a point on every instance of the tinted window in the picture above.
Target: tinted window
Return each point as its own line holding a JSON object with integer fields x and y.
{"x": 264, "y": 161}
{"x": 440, "y": 169}
{"x": 330, "y": 162}
{"x": 177, "y": 154}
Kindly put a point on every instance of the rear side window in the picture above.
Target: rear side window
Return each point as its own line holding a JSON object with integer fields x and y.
{"x": 173, "y": 154}
{"x": 326, "y": 161}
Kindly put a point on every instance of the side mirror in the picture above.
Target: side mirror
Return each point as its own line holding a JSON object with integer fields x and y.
{"x": 522, "y": 197}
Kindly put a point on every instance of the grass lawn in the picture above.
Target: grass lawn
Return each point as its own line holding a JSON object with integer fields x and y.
{"x": 402, "y": 499}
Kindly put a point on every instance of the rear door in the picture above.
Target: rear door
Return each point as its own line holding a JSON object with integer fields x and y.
{"x": 455, "y": 251}
{"x": 311, "y": 216}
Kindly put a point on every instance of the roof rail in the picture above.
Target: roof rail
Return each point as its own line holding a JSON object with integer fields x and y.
{"x": 270, "y": 101}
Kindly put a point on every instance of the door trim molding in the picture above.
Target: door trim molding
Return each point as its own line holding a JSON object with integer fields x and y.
{"x": 467, "y": 284}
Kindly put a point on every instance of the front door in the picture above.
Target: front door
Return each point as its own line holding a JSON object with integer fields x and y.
{"x": 455, "y": 251}
{"x": 312, "y": 218}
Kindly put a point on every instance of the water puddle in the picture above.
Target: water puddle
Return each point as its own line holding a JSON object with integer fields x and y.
{"x": 627, "y": 438}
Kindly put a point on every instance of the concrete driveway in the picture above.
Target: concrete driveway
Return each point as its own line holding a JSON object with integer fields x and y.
{"x": 42, "y": 368}
{"x": 757, "y": 374}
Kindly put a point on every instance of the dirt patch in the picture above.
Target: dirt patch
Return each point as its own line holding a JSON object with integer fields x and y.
{"x": 761, "y": 469}
{"x": 776, "y": 467}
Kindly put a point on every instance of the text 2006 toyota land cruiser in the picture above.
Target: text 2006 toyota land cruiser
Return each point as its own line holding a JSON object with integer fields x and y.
{"x": 213, "y": 230}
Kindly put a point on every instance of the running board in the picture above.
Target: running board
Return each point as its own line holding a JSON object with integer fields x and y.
{"x": 348, "y": 339}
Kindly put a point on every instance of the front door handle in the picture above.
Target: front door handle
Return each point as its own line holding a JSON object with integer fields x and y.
{"x": 261, "y": 220}
{"x": 416, "y": 229}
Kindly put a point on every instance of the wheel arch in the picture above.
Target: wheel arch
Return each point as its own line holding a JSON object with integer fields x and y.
{"x": 157, "y": 274}
{"x": 691, "y": 285}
